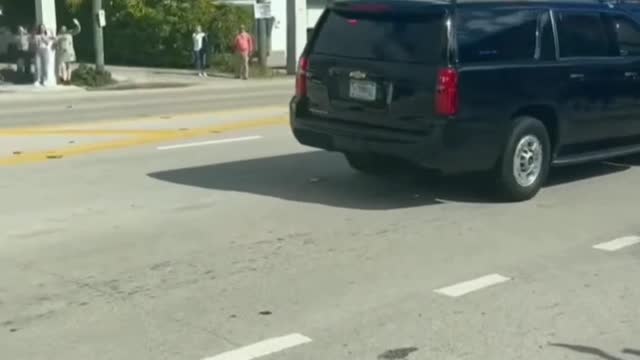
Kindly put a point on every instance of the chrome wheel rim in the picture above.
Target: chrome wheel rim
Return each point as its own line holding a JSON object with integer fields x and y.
{"x": 527, "y": 161}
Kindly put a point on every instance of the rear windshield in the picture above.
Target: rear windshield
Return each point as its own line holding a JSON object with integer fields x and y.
{"x": 389, "y": 37}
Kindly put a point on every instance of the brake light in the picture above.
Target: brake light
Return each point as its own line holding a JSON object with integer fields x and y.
{"x": 301, "y": 77}
{"x": 447, "y": 92}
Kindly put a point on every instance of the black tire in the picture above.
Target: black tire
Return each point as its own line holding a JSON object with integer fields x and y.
{"x": 510, "y": 189}
{"x": 370, "y": 164}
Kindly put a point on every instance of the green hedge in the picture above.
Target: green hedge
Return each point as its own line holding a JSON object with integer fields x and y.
{"x": 17, "y": 12}
{"x": 88, "y": 76}
{"x": 157, "y": 32}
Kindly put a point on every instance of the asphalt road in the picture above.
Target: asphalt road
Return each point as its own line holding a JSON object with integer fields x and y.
{"x": 216, "y": 236}
{"x": 31, "y": 109}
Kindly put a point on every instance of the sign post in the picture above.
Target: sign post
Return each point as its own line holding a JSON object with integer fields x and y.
{"x": 296, "y": 32}
{"x": 46, "y": 15}
{"x": 262, "y": 11}
{"x": 99, "y": 21}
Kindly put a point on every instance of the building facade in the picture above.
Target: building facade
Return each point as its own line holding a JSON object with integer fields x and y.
{"x": 303, "y": 18}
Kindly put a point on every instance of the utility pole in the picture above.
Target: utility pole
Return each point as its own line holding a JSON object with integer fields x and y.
{"x": 98, "y": 38}
{"x": 263, "y": 42}
{"x": 296, "y": 32}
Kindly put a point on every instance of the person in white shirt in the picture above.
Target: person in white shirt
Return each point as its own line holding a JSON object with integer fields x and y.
{"x": 43, "y": 41}
{"x": 23, "y": 61}
{"x": 65, "y": 51}
{"x": 199, "y": 51}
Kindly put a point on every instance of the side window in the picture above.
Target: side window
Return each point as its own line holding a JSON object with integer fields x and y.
{"x": 583, "y": 34}
{"x": 547, "y": 40}
{"x": 497, "y": 35}
{"x": 628, "y": 34}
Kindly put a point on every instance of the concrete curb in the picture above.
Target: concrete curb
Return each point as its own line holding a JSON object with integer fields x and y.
{"x": 82, "y": 94}
{"x": 32, "y": 89}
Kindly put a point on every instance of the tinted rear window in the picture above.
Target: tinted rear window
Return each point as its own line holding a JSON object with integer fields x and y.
{"x": 583, "y": 35}
{"x": 628, "y": 34}
{"x": 389, "y": 37}
{"x": 497, "y": 35}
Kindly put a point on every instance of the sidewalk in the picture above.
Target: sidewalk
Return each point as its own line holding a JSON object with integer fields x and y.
{"x": 141, "y": 75}
{"x": 138, "y": 79}
{"x": 146, "y": 77}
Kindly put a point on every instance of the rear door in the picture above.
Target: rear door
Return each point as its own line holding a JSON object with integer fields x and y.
{"x": 505, "y": 62}
{"x": 627, "y": 31}
{"x": 376, "y": 64}
{"x": 592, "y": 97}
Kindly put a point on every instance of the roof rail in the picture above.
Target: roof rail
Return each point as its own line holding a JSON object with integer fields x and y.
{"x": 453, "y": 2}
{"x": 635, "y": 2}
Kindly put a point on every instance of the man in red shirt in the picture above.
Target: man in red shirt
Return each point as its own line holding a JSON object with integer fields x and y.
{"x": 244, "y": 47}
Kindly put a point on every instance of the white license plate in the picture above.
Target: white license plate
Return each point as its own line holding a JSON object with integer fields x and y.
{"x": 363, "y": 90}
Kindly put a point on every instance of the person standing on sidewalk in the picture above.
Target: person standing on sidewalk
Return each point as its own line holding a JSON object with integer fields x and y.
{"x": 65, "y": 51}
{"x": 200, "y": 51}
{"x": 43, "y": 42}
{"x": 23, "y": 60}
{"x": 244, "y": 47}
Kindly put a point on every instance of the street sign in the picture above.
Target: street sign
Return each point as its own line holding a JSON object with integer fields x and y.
{"x": 262, "y": 10}
{"x": 102, "y": 18}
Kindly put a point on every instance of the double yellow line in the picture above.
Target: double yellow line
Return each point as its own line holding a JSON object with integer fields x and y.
{"x": 132, "y": 137}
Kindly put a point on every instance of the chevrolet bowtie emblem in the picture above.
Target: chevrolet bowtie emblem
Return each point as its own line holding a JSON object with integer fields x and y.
{"x": 358, "y": 75}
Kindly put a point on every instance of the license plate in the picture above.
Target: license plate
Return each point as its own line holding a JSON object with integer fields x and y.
{"x": 363, "y": 90}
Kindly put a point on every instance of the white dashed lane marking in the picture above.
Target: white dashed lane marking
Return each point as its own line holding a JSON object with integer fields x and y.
{"x": 263, "y": 348}
{"x": 470, "y": 286}
{"x": 210, "y": 142}
{"x": 618, "y": 244}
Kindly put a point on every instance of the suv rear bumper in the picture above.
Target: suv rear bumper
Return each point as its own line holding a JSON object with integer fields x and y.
{"x": 451, "y": 146}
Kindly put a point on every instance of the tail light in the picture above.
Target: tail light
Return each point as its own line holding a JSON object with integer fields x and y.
{"x": 301, "y": 77}
{"x": 447, "y": 92}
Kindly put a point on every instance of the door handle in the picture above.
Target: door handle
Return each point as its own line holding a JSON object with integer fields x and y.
{"x": 576, "y": 76}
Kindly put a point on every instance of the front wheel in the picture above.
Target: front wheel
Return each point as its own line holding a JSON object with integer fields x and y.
{"x": 525, "y": 163}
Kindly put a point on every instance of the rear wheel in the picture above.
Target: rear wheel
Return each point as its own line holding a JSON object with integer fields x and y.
{"x": 525, "y": 163}
{"x": 370, "y": 163}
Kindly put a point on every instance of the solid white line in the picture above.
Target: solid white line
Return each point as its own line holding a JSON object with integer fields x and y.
{"x": 618, "y": 244}
{"x": 466, "y": 287}
{"x": 211, "y": 142}
{"x": 263, "y": 348}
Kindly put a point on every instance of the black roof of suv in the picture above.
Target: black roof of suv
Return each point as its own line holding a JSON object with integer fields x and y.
{"x": 513, "y": 88}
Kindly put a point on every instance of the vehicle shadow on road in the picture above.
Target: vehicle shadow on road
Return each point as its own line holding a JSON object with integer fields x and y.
{"x": 570, "y": 174}
{"x": 590, "y": 350}
{"x": 631, "y": 352}
{"x": 325, "y": 178}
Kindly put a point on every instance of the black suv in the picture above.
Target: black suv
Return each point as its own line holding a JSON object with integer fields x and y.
{"x": 472, "y": 86}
